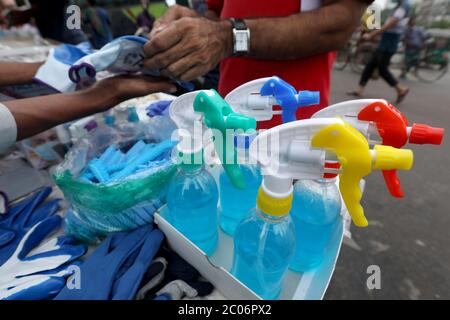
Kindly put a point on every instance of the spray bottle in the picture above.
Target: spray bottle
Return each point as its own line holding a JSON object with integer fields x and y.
{"x": 193, "y": 195}
{"x": 256, "y": 99}
{"x": 264, "y": 243}
{"x": 380, "y": 122}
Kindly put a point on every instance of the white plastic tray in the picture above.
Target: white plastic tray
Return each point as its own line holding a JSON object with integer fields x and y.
{"x": 216, "y": 269}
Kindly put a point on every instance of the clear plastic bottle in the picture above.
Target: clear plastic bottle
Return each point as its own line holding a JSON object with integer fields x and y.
{"x": 263, "y": 248}
{"x": 236, "y": 204}
{"x": 315, "y": 211}
{"x": 192, "y": 200}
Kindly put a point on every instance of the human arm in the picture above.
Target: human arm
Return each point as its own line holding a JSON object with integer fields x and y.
{"x": 15, "y": 73}
{"x": 34, "y": 115}
{"x": 190, "y": 46}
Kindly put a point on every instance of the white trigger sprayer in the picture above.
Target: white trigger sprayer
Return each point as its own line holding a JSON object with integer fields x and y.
{"x": 258, "y": 97}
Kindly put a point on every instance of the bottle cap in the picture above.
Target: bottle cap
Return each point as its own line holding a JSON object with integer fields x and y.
{"x": 132, "y": 114}
{"x": 274, "y": 206}
{"x": 423, "y": 134}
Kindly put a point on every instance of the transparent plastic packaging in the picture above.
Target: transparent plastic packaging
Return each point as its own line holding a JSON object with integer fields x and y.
{"x": 118, "y": 204}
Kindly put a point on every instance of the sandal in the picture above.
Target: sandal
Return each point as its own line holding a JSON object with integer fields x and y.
{"x": 402, "y": 96}
{"x": 354, "y": 94}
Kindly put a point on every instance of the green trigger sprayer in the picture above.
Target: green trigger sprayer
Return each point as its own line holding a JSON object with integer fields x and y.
{"x": 205, "y": 109}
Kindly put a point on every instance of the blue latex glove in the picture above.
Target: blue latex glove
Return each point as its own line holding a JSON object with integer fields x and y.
{"x": 158, "y": 108}
{"x": 38, "y": 271}
{"x": 122, "y": 55}
{"x": 54, "y": 72}
{"x": 21, "y": 217}
{"x": 116, "y": 268}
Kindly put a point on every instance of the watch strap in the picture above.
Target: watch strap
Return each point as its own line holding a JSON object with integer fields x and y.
{"x": 238, "y": 24}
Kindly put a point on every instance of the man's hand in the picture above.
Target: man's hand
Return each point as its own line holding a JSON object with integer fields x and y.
{"x": 172, "y": 14}
{"x": 7, "y": 4}
{"x": 121, "y": 88}
{"x": 189, "y": 47}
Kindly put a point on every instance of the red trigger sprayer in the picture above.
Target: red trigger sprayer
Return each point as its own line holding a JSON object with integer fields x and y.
{"x": 377, "y": 117}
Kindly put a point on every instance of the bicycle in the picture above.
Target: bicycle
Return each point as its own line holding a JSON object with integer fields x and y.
{"x": 432, "y": 63}
{"x": 356, "y": 52}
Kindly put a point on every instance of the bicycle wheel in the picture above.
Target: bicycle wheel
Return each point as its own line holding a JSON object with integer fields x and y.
{"x": 360, "y": 58}
{"x": 342, "y": 58}
{"x": 428, "y": 71}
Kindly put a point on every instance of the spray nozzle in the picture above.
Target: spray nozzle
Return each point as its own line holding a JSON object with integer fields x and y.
{"x": 389, "y": 158}
{"x": 217, "y": 114}
{"x": 377, "y": 117}
{"x": 423, "y": 134}
{"x": 258, "y": 97}
{"x": 358, "y": 161}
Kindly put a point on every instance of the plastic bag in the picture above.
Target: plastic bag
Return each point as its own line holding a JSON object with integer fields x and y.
{"x": 97, "y": 209}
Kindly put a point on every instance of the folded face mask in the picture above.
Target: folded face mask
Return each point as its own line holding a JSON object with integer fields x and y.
{"x": 55, "y": 71}
{"x": 124, "y": 55}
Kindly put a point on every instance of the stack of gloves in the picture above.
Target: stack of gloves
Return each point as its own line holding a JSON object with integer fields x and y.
{"x": 35, "y": 264}
{"x": 32, "y": 264}
{"x": 115, "y": 269}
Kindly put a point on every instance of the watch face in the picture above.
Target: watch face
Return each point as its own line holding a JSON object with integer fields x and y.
{"x": 241, "y": 41}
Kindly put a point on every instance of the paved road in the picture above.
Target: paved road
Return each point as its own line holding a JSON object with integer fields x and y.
{"x": 408, "y": 239}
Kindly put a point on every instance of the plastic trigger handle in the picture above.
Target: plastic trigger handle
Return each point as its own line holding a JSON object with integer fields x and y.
{"x": 392, "y": 126}
{"x": 219, "y": 115}
{"x": 353, "y": 152}
{"x": 288, "y": 98}
{"x": 393, "y": 183}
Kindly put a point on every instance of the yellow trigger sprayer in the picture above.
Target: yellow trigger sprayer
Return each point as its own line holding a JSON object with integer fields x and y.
{"x": 299, "y": 150}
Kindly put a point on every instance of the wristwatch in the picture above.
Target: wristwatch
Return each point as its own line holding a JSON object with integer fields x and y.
{"x": 241, "y": 37}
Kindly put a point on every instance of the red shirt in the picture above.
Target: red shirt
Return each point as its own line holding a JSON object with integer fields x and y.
{"x": 311, "y": 73}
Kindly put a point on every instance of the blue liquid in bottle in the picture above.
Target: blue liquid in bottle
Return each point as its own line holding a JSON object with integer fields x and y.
{"x": 315, "y": 211}
{"x": 263, "y": 247}
{"x": 192, "y": 201}
{"x": 236, "y": 204}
